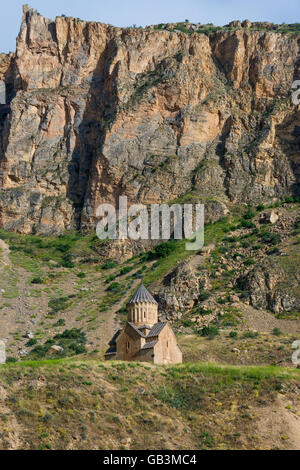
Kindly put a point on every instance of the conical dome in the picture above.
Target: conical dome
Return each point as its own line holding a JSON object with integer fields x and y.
{"x": 142, "y": 295}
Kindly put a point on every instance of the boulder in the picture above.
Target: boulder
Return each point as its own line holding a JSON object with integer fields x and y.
{"x": 270, "y": 218}
{"x": 56, "y": 349}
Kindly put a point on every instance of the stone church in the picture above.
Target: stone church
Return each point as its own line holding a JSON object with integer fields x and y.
{"x": 144, "y": 338}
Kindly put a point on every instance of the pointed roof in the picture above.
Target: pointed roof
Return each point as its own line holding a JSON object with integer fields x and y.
{"x": 142, "y": 295}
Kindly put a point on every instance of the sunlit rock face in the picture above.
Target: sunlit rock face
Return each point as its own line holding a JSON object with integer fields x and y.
{"x": 94, "y": 111}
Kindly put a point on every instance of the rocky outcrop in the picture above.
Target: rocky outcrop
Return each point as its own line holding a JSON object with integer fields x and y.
{"x": 272, "y": 287}
{"x": 97, "y": 111}
{"x": 180, "y": 292}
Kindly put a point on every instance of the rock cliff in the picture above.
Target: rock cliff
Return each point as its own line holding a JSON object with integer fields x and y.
{"x": 94, "y": 111}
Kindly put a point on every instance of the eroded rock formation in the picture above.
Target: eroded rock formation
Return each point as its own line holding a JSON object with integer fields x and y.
{"x": 96, "y": 111}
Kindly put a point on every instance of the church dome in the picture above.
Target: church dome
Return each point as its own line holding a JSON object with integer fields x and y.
{"x": 142, "y": 295}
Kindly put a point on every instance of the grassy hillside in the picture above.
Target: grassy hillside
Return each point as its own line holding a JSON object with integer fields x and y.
{"x": 85, "y": 404}
{"x": 51, "y": 286}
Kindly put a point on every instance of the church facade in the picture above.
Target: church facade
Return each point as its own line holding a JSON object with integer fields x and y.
{"x": 144, "y": 338}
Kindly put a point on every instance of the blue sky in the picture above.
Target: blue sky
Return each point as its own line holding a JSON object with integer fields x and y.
{"x": 144, "y": 12}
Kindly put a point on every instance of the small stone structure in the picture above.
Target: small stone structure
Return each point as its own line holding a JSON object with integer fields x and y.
{"x": 2, "y": 92}
{"x": 2, "y": 353}
{"x": 144, "y": 338}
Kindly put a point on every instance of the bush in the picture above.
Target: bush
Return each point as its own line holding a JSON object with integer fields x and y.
{"x": 37, "y": 280}
{"x": 260, "y": 208}
{"x": 233, "y": 334}
{"x": 11, "y": 359}
{"x": 249, "y": 214}
{"x": 271, "y": 238}
{"x": 59, "y": 304}
{"x": 204, "y": 296}
{"x": 277, "y": 332}
{"x": 81, "y": 275}
{"x": 31, "y": 342}
{"x": 109, "y": 265}
{"x": 247, "y": 224}
{"x": 114, "y": 287}
{"x": 187, "y": 323}
{"x": 160, "y": 251}
{"x": 67, "y": 261}
{"x": 249, "y": 262}
{"x": 210, "y": 331}
{"x": 72, "y": 341}
{"x": 125, "y": 270}
{"x": 250, "y": 334}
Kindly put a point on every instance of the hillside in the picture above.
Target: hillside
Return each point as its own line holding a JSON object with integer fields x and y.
{"x": 246, "y": 279}
{"x": 171, "y": 113}
{"x": 85, "y": 404}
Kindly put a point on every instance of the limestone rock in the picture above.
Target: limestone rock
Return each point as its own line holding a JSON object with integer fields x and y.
{"x": 56, "y": 349}
{"x": 270, "y": 217}
{"x": 95, "y": 111}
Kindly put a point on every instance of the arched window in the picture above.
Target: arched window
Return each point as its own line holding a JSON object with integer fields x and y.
{"x": 2, "y": 92}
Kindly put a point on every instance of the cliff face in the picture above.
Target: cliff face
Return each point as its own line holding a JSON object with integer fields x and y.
{"x": 96, "y": 111}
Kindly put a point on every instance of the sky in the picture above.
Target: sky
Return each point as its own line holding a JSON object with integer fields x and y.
{"x": 147, "y": 12}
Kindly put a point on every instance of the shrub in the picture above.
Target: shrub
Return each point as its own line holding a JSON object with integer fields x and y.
{"x": 271, "y": 238}
{"x": 37, "y": 280}
{"x": 233, "y": 334}
{"x": 187, "y": 323}
{"x": 109, "y": 265}
{"x": 81, "y": 275}
{"x": 125, "y": 270}
{"x": 114, "y": 287}
{"x": 245, "y": 244}
{"x": 59, "y": 304}
{"x": 11, "y": 359}
{"x": 247, "y": 224}
{"x": 250, "y": 334}
{"x": 204, "y": 296}
{"x": 31, "y": 342}
{"x": 210, "y": 331}
{"x": 249, "y": 262}
{"x": 277, "y": 332}
{"x": 72, "y": 341}
{"x": 249, "y": 214}
{"x": 260, "y": 208}
{"x": 67, "y": 261}
{"x": 160, "y": 251}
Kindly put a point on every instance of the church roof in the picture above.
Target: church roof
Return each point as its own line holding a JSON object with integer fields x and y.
{"x": 142, "y": 295}
{"x": 114, "y": 338}
{"x": 157, "y": 328}
{"x": 149, "y": 345}
{"x": 136, "y": 329}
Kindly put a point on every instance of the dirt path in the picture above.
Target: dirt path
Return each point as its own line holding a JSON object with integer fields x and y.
{"x": 4, "y": 254}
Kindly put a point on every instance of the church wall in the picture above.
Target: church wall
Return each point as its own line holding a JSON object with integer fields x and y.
{"x": 166, "y": 350}
{"x": 135, "y": 344}
{"x": 142, "y": 313}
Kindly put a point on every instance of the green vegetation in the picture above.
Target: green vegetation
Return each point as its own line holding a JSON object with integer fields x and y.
{"x": 72, "y": 343}
{"x": 92, "y": 403}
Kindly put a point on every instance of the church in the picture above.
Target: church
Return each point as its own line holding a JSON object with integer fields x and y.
{"x": 144, "y": 338}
